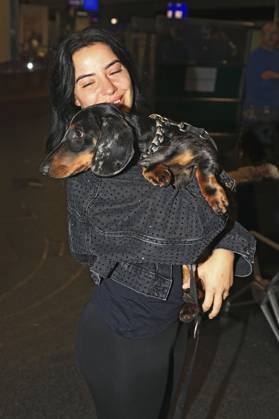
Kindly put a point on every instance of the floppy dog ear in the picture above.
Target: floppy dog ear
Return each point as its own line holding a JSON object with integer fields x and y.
{"x": 115, "y": 147}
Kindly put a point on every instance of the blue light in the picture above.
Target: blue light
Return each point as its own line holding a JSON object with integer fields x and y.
{"x": 184, "y": 9}
{"x": 178, "y": 10}
{"x": 91, "y": 5}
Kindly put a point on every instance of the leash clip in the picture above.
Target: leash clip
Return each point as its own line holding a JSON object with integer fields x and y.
{"x": 183, "y": 126}
{"x": 197, "y": 326}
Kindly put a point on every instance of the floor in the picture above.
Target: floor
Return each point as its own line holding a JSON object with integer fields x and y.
{"x": 42, "y": 292}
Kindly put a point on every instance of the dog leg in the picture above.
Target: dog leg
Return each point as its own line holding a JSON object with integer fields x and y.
{"x": 185, "y": 277}
{"x": 212, "y": 192}
{"x": 158, "y": 175}
{"x": 186, "y": 312}
{"x": 189, "y": 308}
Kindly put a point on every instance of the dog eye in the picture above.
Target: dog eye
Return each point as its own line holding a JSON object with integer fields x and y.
{"x": 76, "y": 138}
{"x": 77, "y": 135}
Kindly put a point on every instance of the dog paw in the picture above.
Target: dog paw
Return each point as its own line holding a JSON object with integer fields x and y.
{"x": 218, "y": 200}
{"x": 159, "y": 175}
{"x": 190, "y": 308}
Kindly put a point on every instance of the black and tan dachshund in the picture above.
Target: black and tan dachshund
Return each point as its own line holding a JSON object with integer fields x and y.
{"x": 105, "y": 139}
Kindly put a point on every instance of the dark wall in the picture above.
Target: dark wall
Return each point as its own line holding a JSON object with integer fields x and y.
{"x": 215, "y": 9}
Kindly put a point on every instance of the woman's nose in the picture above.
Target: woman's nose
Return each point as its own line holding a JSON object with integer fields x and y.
{"x": 108, "y": 87}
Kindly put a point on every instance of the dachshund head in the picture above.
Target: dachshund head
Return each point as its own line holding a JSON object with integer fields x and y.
{"x": 98, "y": 137}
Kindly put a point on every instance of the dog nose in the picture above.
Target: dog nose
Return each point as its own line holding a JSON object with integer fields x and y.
{"x": 44, "y": 168}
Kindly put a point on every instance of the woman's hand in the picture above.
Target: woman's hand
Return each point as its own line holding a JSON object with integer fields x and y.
{"x": 216, "y": 275}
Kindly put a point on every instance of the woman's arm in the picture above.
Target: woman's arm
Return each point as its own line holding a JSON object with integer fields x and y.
{"x": 132, "y": 221}
{"x": 233, "y": 254}
{"x": 128, "y": 220}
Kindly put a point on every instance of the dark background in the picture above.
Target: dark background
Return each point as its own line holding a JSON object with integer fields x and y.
{"x": 43, "y": 290}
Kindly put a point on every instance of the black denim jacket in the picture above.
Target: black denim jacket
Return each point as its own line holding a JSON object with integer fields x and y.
{"x": 125, "y": 228}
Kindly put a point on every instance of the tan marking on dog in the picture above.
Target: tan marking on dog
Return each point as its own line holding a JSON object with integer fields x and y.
{"x": 217, "y": 201}
{"x": 181, "y": 159}
{"x": 159, "y": 175}
{"x": 186, "y": 276}
{"x": 64, "y": 164}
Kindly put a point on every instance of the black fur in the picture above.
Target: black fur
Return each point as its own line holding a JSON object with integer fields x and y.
{"x": 110, "y": 138}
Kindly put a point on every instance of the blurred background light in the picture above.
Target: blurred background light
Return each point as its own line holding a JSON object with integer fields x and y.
{"x": 177, "y": 10}
{"x": 30, "y": 66}
{"x": 91, "y": 5}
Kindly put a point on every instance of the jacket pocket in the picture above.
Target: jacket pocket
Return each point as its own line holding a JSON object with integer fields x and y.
{"x": 142, "y": 280}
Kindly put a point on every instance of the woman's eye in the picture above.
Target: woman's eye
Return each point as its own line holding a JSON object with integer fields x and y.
{"x": 115, "y": 72}
{"x": 87, "y": 84}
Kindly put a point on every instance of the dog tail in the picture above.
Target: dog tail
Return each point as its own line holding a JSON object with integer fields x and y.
{"x": 255, "y": 173}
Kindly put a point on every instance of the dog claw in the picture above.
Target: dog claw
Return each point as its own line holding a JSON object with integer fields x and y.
{"x": 219, "y": 202}
{"x": 220, "y": 207}
{"x": 164, "y": 178}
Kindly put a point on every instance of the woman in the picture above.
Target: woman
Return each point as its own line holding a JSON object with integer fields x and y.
{"x": 134, "y": 237}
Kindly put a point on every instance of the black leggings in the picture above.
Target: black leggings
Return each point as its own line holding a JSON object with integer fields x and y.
{"x": 129, "y": 378}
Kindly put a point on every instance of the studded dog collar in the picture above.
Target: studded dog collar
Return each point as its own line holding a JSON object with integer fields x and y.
{"x": 162, "y": 123}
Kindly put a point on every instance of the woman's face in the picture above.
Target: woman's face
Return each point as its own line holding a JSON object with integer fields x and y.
{"x": 101, "y": 78}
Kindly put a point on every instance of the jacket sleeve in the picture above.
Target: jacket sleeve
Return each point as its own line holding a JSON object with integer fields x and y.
{"x": 237, "y": 239}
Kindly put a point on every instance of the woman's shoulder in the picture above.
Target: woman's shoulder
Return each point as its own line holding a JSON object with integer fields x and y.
{"x": 129, "y": 181}
{"x": 81, "y": 188}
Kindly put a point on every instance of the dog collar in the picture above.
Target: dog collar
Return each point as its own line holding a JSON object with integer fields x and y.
{"x": 162, "y": 123}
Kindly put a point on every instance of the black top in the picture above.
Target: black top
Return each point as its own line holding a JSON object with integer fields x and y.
{"x": 132, "y": 314}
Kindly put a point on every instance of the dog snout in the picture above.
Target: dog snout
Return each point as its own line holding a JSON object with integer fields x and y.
{"x": 44, "y": 167}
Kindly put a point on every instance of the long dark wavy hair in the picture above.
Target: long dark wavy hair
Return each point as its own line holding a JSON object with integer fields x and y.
{"x": 62, "y": 79}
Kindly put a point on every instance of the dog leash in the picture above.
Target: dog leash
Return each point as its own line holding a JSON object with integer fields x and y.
{"x": 186, "y": 375}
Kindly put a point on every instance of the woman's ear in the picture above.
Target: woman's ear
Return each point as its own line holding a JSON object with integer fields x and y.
{"x": 115, "y": 147}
